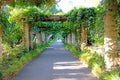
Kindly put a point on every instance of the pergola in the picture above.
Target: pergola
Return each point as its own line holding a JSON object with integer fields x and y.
{"x": 27, "y": 37}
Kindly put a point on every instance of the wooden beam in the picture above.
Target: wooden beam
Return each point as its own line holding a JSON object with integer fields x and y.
{"x": 55, "y": 18}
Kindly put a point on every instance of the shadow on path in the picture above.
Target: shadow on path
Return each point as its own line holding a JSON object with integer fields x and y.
{"x": 55, "y": 63}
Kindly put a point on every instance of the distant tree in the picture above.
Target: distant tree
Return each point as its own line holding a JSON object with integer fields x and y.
{"x": 55, "y": 9}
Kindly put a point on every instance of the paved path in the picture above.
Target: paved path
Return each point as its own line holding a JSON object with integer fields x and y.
{"x": 55, "y": 63}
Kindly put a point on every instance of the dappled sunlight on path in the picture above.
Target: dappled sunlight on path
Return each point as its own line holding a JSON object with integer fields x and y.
{"x": 73, "y": 70}
{"x": 55, "y": 63}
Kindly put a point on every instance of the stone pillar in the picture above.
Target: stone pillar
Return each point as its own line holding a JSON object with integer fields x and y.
{"x": 30, "y": 37}
{"x": 43, "y": 37}
{"x": 68, "y": 38}
{"x": 83, "y": 37}
{"x": 65, "y": 39}
{"x": 78, "y": 37}
{"x": 73, "y": 37}
{"x": 26, "y": 38}
{"x": 112, "y": 59}
{"x": 0, "y": 41}
{"x": 0, "y": 33}
{"x": 38, "y": 38}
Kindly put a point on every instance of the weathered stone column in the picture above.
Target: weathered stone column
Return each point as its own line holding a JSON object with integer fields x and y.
{"x": 0, "y": 41}
{"x": 78, "y": 37}
{"x": 112, "y": 59}
{"x": 83, "y": 37}
{"x": 38, "y": 38}
{"x": 73, "y": 37}
{"x": 43, "y": 37}
{"x": 68, "y": 38}
{"x": 26, "y": 38}
{"x": 30, "y": 37}
{"x": 0, "y": 33}
{"x": 65, "y": 39}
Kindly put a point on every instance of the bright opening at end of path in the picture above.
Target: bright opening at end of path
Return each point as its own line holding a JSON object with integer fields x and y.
{"x": 67, "y": 5}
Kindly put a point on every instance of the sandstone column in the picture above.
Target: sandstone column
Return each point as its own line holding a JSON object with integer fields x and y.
{"x": 26, "y": 36}
{"x": 83, "y": 37}
{"x": 112, "y": 59}
{"x": 43, "y": 36}
{"x": 30, "y": 37}
{"x": 73, "y": 37}
{"x": 38, "y": 38}
{"x": 0, "y": 41}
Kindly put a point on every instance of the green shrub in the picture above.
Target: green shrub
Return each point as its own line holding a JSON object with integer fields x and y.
{"x": 13, "y": 54}
{"x": 86, "y": 55}
{"x": 111, "y": 75}
{"x": 73, "y": 48}
{"x": 98, "y": 59}
{"x": 1, "y": 75}
{"x": 97, "y": 64}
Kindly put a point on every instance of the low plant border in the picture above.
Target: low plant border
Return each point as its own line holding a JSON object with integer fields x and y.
{"x": 87, "y": 57}
{"x": 10, "y": 72}
{"x": 95, "y": 62}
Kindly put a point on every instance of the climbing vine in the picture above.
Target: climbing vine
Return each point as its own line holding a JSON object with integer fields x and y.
{"x": 92, "y": 18}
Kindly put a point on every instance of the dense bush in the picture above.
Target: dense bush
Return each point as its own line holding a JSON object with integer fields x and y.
{"x": 110, "y": 75}
{"x": 12, "y": 54}
{"x": 12, "y": 32}
{"x": 73, "y": 48}
{"x": 0, "y": 75}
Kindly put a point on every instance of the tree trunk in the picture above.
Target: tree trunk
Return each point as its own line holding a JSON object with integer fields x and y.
{"x": 110, "y": 38}
{"x": 83, "y": 37}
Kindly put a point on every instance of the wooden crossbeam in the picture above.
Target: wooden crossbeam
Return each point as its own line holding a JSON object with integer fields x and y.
{"x": 55, "y": 18}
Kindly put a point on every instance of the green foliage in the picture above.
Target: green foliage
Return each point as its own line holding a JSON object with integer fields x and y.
{"x": 111, "y": 75}
{"x": 24, "y": 3}
{"x": 73, "y": 48}
{"x": 97, "y": 64}
{"x": 54, "y": 10}
{"x": 98, "y": 31}
{"x": 0, "y": 75}
{"x": 52, "y": 27}
{"x": 29, "y": 14}
{"x": 90, "y": 18}
{"x": 12, "y": 33}
{"x": 12, "y": 54}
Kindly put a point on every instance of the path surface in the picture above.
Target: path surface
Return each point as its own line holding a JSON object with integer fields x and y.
{"x": 55, "y": 63}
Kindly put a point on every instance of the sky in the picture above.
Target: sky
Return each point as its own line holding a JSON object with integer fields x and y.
{"x": 67, "y": 5}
